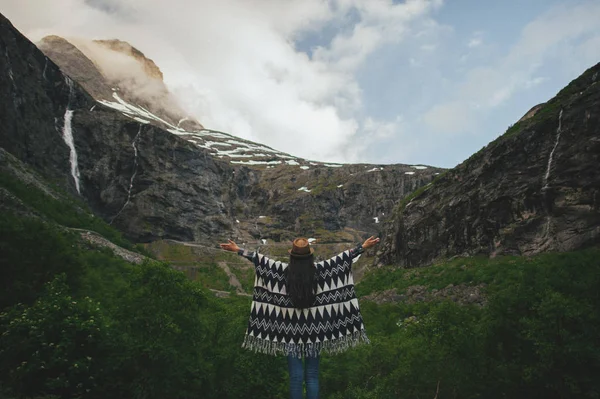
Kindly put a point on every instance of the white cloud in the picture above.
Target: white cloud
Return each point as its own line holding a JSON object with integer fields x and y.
{"x": 475, "y": 42}
{"x": 233, "y": 63}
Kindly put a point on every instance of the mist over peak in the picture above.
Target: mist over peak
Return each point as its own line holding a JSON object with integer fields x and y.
{"x": 104, "y": 67}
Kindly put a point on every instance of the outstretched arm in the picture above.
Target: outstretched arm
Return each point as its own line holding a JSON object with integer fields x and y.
{"x": 360, "y": 248}
{"x": 230, "y": 246}
{"x": 233, "y": 247}
{"x": 370, "y": 242}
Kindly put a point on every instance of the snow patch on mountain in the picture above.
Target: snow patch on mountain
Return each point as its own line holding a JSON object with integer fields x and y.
{"x": 218, "y": 144}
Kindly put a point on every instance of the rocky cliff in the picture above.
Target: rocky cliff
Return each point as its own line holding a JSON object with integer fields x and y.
{"x": 534, "y": 189}
{"x": 153, "y": 179}
{"x": 76, "y": 65}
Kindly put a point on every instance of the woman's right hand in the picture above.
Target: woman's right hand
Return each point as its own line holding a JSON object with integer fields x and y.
{"x": 231, "y": 246}
{"x": 371, "y": 241}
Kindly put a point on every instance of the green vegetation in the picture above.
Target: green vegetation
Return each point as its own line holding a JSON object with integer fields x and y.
{"x": 245, "y": 275}
{"x": 81, "y": 323}
{"x": 537, "y": 337}
{"x": 210, "y": 275}
{"x": 172, "y": 251}
{"x": 343, "y": 236}
{"x": 63, "y": 211}
{"x": 498, "y": 273}
{"x": 76, "y": 323}
{"x": 201, "y": 264}
{"x": 513, "y": 129}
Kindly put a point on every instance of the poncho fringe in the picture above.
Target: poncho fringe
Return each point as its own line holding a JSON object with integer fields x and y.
{"x": 336, "y": 346}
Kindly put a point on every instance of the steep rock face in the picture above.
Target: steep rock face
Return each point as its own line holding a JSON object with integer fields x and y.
{"x": 359, "y": 197}
{"x": 34, "y": 95}
{"x": 535, "y": 189}
{"x": 147, "y": 182}
{"x": 35, "y": 101}
{"x": 76, "y": 65}
{"x": 152, "y": 183}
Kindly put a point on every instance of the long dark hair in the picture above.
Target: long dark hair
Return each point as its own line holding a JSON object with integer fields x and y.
{"x": 301, "y": 276}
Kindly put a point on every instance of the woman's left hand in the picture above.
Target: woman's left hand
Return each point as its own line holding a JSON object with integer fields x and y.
{"x": 371, "y": 241}
{"x": 231, "y": 246}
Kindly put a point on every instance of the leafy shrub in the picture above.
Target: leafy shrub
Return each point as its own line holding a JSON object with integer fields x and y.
{"x": 54, "y": 346}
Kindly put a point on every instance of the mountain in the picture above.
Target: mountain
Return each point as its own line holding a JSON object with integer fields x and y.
{"x": 115, "y": 72}
{"x": 79, "y": 67}
{"x": 534, "y": 189}
{"x": 154, "y": 179}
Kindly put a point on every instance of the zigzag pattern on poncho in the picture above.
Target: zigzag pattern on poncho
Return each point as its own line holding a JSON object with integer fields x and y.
{"x": 332, "y": 325}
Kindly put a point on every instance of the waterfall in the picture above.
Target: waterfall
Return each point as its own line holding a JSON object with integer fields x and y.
{"x": 11, "y": 75}
{"x": 547, "y": 228}
{"x": 45, "y": 67}
{"x": 135, "y": 164}
{"x": 551, "y": 157}
{"x": 68, "y": 137}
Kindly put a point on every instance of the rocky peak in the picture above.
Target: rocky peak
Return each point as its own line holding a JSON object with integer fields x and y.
{"x": 531, "y": 113}
{"x": 77, "y": 65}
{"x": 150, "y": 68}
{"x": 113, "y": 71}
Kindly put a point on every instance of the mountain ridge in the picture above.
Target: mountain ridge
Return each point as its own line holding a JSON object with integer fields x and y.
{"x": 534, "y": 189}
{"x": 155, "y": 182}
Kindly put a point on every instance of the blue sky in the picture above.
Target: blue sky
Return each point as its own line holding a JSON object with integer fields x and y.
{"x": 418, "y": 82}
{"x": 470, "y": 35}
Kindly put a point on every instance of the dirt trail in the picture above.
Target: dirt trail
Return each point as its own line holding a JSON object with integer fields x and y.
{"x": 96, "y": 239}
{"x": 133, "y": 257}
{"x": 233, "y": 280}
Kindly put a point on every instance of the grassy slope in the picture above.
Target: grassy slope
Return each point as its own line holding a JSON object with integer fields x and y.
{"x": 498, "y": 273}
{"x": 537, "y": 335}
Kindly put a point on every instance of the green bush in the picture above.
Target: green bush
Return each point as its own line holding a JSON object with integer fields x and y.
{"x": 54, "y": 346}
{"x": 33, "y": 252}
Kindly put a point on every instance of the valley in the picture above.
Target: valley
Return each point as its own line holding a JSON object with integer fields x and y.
{"x": 112, "y": 207}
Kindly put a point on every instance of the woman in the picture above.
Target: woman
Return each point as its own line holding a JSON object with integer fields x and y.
{"x": 303, "y": 308}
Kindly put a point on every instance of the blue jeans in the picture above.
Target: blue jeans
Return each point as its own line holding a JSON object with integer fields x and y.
{"x": 308, "y": 372}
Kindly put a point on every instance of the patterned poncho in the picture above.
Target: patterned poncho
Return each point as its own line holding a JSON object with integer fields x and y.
{"x": 332, "y": 324}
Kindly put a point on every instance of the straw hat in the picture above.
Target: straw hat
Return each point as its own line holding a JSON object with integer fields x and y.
{"x": 301, "y": 248}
